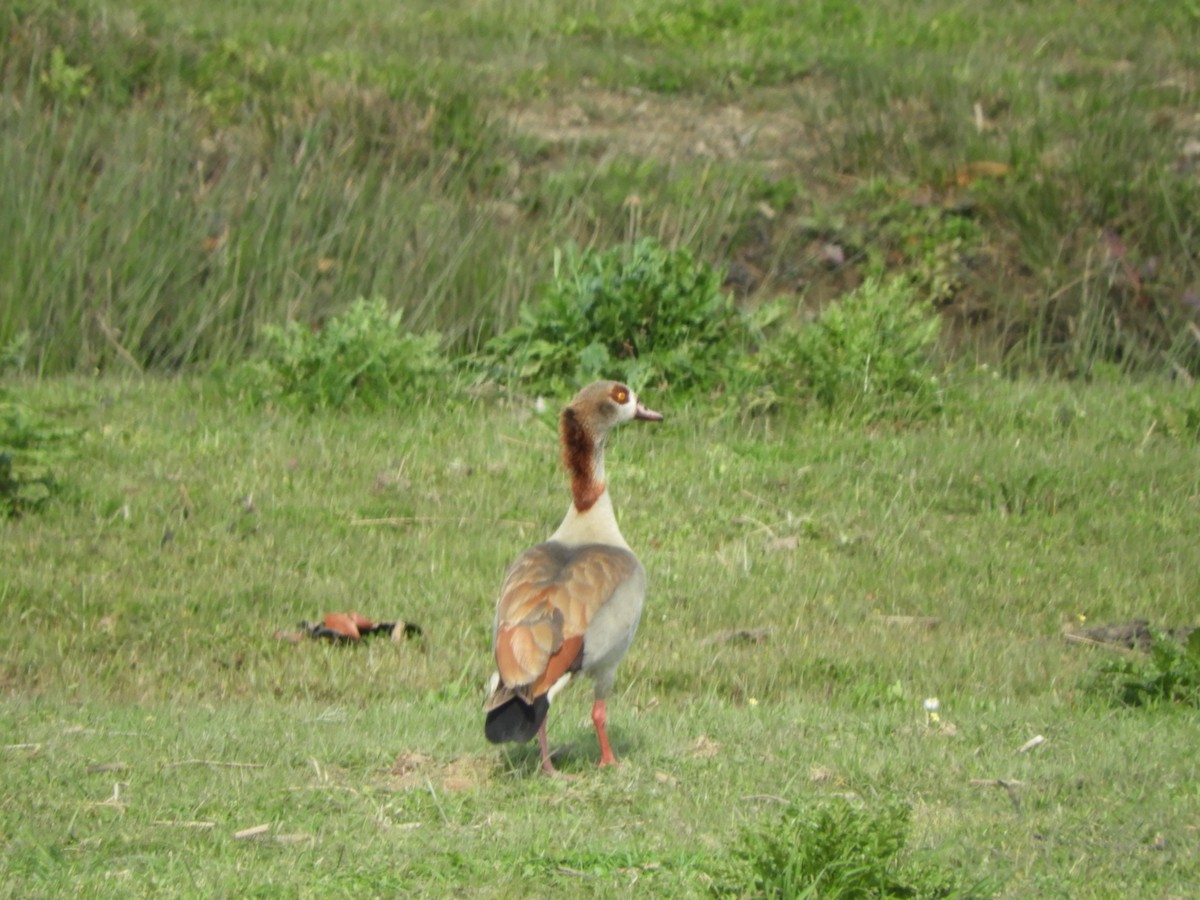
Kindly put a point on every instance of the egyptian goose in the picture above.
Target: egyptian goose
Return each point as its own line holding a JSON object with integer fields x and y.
{"x": 571, "y": 604}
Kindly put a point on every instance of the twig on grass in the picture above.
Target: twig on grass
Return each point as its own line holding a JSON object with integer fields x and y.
{"x": 1009, "y": 784}
{"x": 1036, "y": 741}
{"x": 436, "y": 801}
{"x": 1084, "y": 639}
{"x": 115, "y": 801}
{"x": 1184, "y": 376}
{"x": 417, "y": 520}
{"x": 997, "y": 782}
{"x": 297, "y": 838}
{"x": 107, "y": 767}
{"x": 518, "y": 442}
{"x": 112, "y": 335}
{"x": 1149, "y": 434}
{"x": 759, "y": 525}
{"x": 213, "y": 762}
{"x": 573, "y": 873}
{"x": 915, "y": 621}
{"x": 252, "y": 832}
{"x": 168, "y": 823}
{"x": 803, "y": 470}
{"x": 257, "y": 832}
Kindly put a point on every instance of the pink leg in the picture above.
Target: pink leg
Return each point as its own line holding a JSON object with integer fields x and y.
{"x": 547, "y": 766}
{"x": 600, "y": 720}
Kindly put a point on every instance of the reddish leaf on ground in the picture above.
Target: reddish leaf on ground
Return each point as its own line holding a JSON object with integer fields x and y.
{"x": 974, "y": 171}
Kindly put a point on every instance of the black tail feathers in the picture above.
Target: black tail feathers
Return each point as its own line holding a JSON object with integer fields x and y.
{"x": 516, "y": 721}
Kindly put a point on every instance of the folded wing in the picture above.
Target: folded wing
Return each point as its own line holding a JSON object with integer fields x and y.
{"x": 550, "y": 595}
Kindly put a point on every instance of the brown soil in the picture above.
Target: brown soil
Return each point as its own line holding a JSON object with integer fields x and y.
{"x": 772, "y": 131}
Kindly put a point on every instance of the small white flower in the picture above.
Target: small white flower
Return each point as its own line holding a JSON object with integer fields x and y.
{"x": 931, "y": 710}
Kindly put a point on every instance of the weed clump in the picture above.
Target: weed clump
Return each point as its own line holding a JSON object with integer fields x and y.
{"x": 364, "y": 356}
{"x": 930, "y": 245}
{"x": 866, "y": 356}
{"x": 840, "y": 850}
{"x": 643, "y": 313}
{"x": 1169, "y": 674}
{"x": 29, "y": 450}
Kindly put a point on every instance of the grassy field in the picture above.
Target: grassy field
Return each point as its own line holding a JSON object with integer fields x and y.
{"x": 175, "y": 177}
{"x": 150, "y": 715}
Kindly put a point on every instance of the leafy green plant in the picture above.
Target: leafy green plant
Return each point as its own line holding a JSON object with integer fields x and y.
{"x": 1178, "y": 416}
{"x": 64, "y": 82}
{"x": 641, "y": 313}
{"x": 929, "y": 244}
{"x": 28, "y": 449}
{"x": 869, "y": 354}
{"x": 840, "y": 850}
{"x": 363, "y": 356}
{"x": 15, "y": 353}
{"x": 1169, "y": 674}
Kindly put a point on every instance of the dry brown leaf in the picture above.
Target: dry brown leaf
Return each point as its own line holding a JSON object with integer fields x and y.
{"x": 408, "y": 762}
{"x": 972, "y": 172}
{"x": 833, "y": 255}
{"x": 705, "y": 747}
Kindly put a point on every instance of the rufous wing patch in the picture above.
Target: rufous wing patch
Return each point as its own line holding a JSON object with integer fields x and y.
{"x": 558, "y": 665}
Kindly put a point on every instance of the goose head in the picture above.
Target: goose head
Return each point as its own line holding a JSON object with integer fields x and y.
{"x": 585, "y": 424}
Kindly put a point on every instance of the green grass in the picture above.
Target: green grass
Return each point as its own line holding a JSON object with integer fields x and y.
{"x": 178, "y": 175}
{"x": 175, "y": 178}
{"x": 140, "y": 609}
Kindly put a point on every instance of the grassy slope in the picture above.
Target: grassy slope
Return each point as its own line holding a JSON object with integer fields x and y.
{"x": 139, "y": 618}
{"x": 227, "y": 167}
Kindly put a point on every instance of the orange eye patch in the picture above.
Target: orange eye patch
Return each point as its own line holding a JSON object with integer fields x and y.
{"x": 620, "y": 394}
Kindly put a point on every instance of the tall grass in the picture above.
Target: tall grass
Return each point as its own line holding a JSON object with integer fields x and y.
{"x": 175, "y": 177}
{"x": 145, "y": 239}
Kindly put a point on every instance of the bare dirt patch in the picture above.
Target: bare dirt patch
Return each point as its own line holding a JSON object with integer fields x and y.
{"x": 775, "y": 127}
{"x": 773, "y": 133}
{"x": 416, "y": 771}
